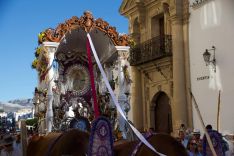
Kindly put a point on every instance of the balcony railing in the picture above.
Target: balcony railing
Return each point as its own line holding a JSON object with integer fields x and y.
{"x": 155, "y": 48}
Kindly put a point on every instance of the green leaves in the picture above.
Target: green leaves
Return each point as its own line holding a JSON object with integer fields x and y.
{"x": 31, "y": 122}
{"x": 41, "y": 37}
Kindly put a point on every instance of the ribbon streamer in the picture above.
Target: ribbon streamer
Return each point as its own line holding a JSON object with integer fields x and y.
{"x": 96, "y": 110}
{"x": 139, "y": 135}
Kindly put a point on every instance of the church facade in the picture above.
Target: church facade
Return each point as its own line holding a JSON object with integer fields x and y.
{"x": 159, "y": 64}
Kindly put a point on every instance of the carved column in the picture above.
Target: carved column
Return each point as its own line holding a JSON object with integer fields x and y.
{"x": 179, "y": 107}
{"x": 124, "y": 83}
{"x": 136, "y": 98}
{"x": 109, "y": 69}
{"x": 101, "y": 84}
{"x": 187, "y": 60}
{"x": 51, "y": 48}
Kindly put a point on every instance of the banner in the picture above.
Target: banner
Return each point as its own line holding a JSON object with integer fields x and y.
{"x": 138, "y": 134}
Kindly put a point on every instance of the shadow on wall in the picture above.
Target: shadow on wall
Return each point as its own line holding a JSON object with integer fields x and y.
{"x": 210, "y": 15}
{"x": 215, "y": 82}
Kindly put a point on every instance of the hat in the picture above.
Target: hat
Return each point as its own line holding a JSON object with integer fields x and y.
{"x": 7, "y": 140}
{"x": 196, "y": 131}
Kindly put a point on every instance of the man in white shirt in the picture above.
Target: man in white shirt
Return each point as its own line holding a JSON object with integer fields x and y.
{"x": 182, "y": 138}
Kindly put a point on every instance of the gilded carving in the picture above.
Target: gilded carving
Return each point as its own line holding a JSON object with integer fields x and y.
{"x": 124, "y": 40}
{"x": 113, "y": 33}
{"x": 86, "y": 22}
{"x": 73, "y": 23}
{"x": 101, "y": 25}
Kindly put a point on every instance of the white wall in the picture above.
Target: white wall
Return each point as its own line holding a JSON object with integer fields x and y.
{"x": 213, "y": 24}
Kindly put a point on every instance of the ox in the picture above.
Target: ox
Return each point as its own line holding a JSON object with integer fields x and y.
{"x": 70, "y": 143}
{"x": 76, "y": 143}
{"x": 163, "y": 143}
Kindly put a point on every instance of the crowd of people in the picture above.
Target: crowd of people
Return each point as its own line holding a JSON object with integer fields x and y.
{"x": 192, "y": 140}
{"x": 197, "y": 145}
{"x": 10, "y": 144}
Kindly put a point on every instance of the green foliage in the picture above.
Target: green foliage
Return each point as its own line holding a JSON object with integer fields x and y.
{"x": 31, "y": 122}
{"x": 38, "y": 51}
{"x": 132, "y": 43}
{"x": 34, "y": 63}
{"x": 41, "y": 37}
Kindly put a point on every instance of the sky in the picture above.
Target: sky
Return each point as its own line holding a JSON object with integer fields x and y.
{"x": 20, "y": 23}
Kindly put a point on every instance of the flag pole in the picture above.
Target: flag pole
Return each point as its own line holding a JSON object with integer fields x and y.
{"x": 218, "y": 112}
{"x": 203, "y": 125}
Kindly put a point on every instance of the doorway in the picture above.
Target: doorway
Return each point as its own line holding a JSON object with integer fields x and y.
{"x": 157, "y": 26}
{"x": 162, "y": 113}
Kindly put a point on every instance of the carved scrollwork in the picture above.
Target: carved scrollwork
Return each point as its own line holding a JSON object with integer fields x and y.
{"x": 102, "y": 25}
{"x": 86, "y": 22}
{"x": 113, "y": 34}
{"x": 73, "y": 23}
{"x": 124, "y": 40}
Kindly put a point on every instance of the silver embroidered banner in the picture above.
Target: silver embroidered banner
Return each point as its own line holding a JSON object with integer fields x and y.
{"x": 138, "y": 134}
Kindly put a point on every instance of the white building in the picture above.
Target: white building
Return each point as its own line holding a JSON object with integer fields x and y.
{"x": 3, "y": 114}
{"x": 211, "y": 24}
{"x": 23, "y": 113}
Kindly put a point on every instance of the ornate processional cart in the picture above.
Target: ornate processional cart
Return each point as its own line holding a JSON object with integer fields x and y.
{"x": 75, "y": 87}
{"x": 64, "y": 97}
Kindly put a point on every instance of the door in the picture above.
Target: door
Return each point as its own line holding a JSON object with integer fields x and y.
{"x": 162, "y": 112}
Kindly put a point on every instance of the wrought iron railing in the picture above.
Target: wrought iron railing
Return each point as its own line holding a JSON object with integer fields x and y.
{"x": 155, "y": 48}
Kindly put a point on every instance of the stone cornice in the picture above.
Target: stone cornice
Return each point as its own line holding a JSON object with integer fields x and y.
{"x": 186, "y": 13}
{"x": 150, "y": 66}
{"x": 183, "y": 18}
{"x": 50, "y": 44}
{"x": 176, "y": 19}
{"x": 122, "y": 48}
{"x": 127, "y": 7}
{"x": 129, "y": 11}
{"x": 198, "y": 3}
{"x": 87, "y": 23}
{"x": 136, "y": 7}
{"x": 151, "y": 4}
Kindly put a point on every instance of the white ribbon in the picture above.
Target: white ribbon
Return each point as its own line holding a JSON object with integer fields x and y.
{"x": 138, "y": 134}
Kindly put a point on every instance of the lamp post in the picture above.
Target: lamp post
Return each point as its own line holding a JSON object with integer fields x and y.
{"x": 207, "y": 57}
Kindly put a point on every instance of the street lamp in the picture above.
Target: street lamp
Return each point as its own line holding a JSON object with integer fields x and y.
{"x": 207, "y": 57}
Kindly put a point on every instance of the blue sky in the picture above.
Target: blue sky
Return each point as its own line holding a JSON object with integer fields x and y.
{"x": 20, "y": 23}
